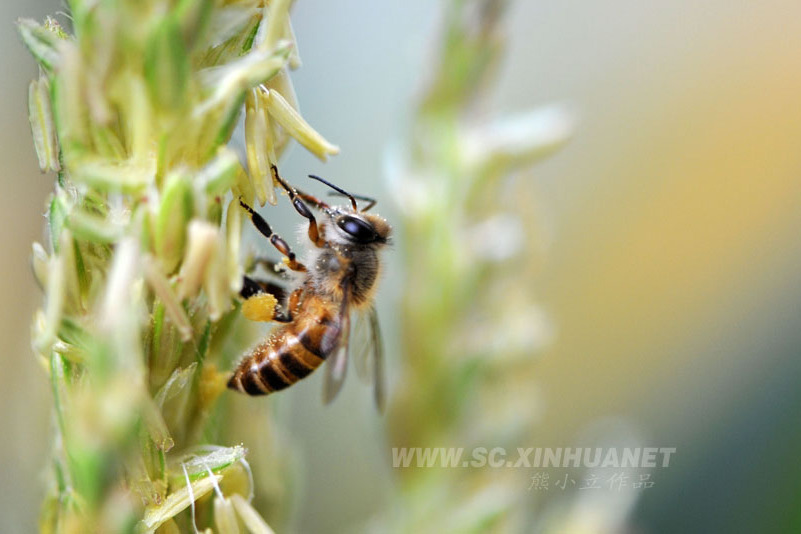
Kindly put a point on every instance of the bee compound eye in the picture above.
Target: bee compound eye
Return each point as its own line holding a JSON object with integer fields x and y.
{"x": 361, "y": 231}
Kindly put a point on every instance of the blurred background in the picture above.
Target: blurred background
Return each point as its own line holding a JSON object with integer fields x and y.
{"x": 672, "y": 271}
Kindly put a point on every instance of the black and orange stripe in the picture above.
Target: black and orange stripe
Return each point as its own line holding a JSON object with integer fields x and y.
{"x": 292, "y": 352}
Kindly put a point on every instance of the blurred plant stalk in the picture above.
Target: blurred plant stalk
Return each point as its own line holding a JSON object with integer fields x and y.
{"x": 133, "y": 110}
{"x": 470, "y": 327}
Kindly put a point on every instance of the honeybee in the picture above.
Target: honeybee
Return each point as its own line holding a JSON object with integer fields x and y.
{"x": 339, "y": 275}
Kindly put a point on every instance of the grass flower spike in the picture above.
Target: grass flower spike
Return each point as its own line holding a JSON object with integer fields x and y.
{"x": 133, "y": 110}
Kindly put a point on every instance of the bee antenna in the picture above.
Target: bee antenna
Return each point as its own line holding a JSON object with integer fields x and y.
{"x": 338, "y": 189}
{"x": 370, "y": 200}
{"x": 339, "y": 192}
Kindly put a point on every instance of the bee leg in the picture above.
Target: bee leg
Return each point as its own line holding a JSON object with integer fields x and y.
{"x": 286, "y": 313}
{"x": 311, "y": 199}
{"x": 300, "y": 207}
{"x": 261, "y": 300}
{"x": 282, "y": 246}
{"x": 253, "y": 286}
{"x": 249, "y": 287}
{"x": 270, "y": 265}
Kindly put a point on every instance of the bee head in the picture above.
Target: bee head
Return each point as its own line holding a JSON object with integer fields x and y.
{"x": 359, "y": 228}
{"x": 351, "y": 225}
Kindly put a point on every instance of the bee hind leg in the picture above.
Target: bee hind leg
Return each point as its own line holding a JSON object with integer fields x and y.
{"x": 253, "y": 286}
{"x": 261, "y": 301}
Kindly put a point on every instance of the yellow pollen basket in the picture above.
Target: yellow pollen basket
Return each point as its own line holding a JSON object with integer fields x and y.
{"x": 260, "y": 307}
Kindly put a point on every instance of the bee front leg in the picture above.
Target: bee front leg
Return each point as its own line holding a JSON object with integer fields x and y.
{"x": 314, "y": 232}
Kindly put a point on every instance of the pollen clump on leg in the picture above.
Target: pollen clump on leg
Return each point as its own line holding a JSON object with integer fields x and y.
{"x": 260, "y": 307}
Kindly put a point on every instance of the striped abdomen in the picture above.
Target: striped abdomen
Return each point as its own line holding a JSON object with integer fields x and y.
{"x": 292, "y": 352}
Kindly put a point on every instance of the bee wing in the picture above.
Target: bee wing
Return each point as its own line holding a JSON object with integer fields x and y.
{"x": 377, "y": 344}
{"x": 362, "y": 342}
{"x": 337, "y": 364}
{"x": 369, "y": 355}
